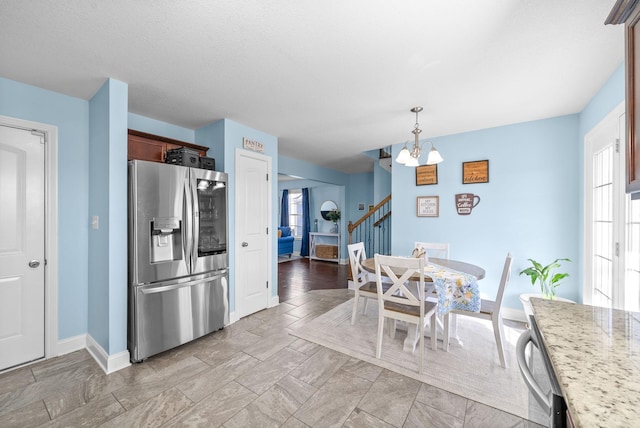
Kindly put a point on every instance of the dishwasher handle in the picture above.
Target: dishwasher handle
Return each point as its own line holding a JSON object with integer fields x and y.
{"x": 533, "y": 386}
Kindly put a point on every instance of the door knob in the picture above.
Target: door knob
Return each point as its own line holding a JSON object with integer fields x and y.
{"x": 34, "y": 263}
{"x": 245, "y": 244}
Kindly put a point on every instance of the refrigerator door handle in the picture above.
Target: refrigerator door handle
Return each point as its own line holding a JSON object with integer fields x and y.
{"x": 187, "y": 209}
{"x": 162, "y": 288}
{"x": 195, "y": 228}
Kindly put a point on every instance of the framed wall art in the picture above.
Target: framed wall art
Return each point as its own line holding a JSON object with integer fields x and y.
{"x": 426, "y": 174}
{"x": 475, "y": 172}
{"x": 428, "y": 206}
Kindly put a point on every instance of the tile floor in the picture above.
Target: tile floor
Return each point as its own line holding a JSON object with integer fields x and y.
{"x": 251, "y": 374}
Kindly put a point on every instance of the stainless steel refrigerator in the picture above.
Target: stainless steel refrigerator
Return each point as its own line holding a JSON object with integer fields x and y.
{"x": 178, "y": 259}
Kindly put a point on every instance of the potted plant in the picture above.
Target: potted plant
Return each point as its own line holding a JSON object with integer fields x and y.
{"x": 547, "y": 279}
{"x": 334, "y": 216}
{"x": 545, "y": 275}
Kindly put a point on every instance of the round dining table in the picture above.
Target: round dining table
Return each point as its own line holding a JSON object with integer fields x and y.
{"x": 412, "y": 332}
{"x": 370, "y": 266}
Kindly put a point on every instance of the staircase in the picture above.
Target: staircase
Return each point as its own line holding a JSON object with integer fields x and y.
{"x": 374, "y": 229}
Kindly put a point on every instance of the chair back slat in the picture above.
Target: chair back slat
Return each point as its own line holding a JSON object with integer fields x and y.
{"x": 356, "y": 255}
{"x": 434, "y": 249}
{"x": 504, "y": 280}
{"x": 399, "y": 270}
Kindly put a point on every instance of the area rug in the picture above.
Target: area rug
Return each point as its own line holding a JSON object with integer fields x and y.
{"x": 282, "y": 259}
{"x": 471, "y": 368}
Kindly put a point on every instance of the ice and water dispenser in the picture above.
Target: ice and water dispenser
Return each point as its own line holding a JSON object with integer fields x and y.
{"x": 166, "y": 239}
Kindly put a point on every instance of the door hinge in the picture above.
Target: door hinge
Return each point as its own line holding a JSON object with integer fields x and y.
{"x": 267, "y": 230}
{"x": 267, "y": 176}
{"x": 617, "y": 145}
{"x": 617, "y": 249}
{"x": 267, "y": 284}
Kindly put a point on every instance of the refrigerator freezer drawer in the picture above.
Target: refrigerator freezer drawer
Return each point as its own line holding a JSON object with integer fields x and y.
{"x": 169, "y": 315}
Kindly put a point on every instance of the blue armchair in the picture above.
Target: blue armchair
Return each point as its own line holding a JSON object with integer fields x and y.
{"x": 285, "y": 241}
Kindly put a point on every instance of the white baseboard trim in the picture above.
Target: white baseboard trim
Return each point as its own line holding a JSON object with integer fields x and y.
{"x": 514, "y": 314}
{"x": 233, "y": 317}
{"x": 350, "y": 285}
{"x": 274, "y": 301}
{"x": 71, "y": 344}
{"x": 108, "y": 363}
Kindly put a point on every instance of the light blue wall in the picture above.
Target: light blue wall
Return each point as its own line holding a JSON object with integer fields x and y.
{"x": 529, "y": 207}
{"x": 362, "y": 192}
{"x": 98, "y": 326}
{"x": 71, "y": 117}
{"x": 118, "y": 216}
{"x": 212, "y": 136}
{"x": 157, "y": 127}
{"x": 381, "y": 183}
{"x": 107, "y": 296}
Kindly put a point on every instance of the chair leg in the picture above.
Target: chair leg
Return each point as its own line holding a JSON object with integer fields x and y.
{"x": 498, "y": 331}
{"x": 434, "y": 332}
{"x": 354, "y": 314}
{"x": 366, "y": 301}
{"x": 380, "y": 333}
{"x": 420, "y": 363}
{"x": 391, "y": 325}
{"x": 446, "y": 332}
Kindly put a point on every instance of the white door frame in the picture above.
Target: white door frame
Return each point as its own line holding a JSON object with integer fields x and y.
{"x": 51, "y": 228}
{"x": 270, "y": 302}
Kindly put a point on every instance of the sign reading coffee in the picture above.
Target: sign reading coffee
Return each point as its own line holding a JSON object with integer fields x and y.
{"x": 466, "y": 202}
{"x": 475, "y": 172}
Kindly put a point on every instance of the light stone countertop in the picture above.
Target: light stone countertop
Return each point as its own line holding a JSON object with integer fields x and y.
{"x": 595, "y": 354}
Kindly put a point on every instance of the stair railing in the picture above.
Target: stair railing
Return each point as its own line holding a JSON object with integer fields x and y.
{"x": 374, "y": 229}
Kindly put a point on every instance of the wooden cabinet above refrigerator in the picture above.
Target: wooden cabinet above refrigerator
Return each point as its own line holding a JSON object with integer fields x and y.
{"x": 149, "y": 147}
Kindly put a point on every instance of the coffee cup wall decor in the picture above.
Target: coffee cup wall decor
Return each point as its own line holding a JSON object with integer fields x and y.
{"x": 466, "y": 202}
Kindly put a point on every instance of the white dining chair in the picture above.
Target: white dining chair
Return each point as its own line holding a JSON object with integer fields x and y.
{"x": 489, "y": 310}
{"x": 399, "y": 302}
{"x": 438, "y": 250}
{"x": 363, "y": 286}
{"x": 434, "y": 249}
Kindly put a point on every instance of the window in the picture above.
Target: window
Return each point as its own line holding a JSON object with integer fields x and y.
{"x": 295, "y": 212}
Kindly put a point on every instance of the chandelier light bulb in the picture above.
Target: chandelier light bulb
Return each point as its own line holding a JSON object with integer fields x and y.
{"x": 403, "y": 156}
{"x": 434, "y": 156}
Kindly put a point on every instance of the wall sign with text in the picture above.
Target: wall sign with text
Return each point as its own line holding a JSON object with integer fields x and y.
{"x": 254, "y": 145}
{"x": 426, "y": 174}
{"x": 475, "y": 172}
{"x": 428, "y": 206}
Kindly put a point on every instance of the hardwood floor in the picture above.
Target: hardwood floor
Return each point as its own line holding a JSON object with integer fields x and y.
{"x": 298, "y": 276}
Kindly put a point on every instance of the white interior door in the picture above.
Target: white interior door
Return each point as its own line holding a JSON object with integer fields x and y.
{"x": 22, "y": 262}
{"x": 253, "y": 217}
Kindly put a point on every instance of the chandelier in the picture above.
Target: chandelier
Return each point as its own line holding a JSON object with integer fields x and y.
{"x": 411, "y": 158}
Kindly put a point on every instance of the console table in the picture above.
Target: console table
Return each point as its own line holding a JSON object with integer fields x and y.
{"x": 324, "y": 246}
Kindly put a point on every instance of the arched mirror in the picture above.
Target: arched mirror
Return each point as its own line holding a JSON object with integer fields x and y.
{"x": 326, "y": 207}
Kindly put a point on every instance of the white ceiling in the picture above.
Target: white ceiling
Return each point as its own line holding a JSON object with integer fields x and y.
{"x": 331, "y": 79}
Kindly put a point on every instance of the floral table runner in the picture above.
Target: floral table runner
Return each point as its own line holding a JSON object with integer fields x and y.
{"x": 456, "y": 290}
